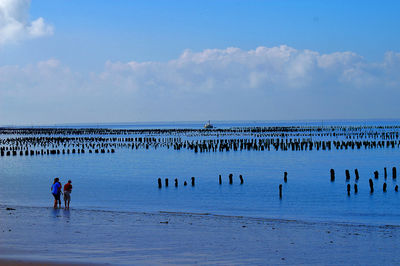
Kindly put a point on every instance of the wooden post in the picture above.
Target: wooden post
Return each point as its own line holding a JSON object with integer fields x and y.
{"x": 241, "y": 179}
{"x": 332, "y": 175}
{"x": 230, "y": 179}
{"x": 396, "y": 188}
{"x": 355, "y": 189}
{"x": 348, "y": 189}
{"x": 220, "y": 180}
{"x": 285, "y": 177}
{"x": 159, "y": 183}
{"x": 371, "y": 185}
{"x": 385, "y": 173}
{"x": 193, "y": 181}
{"x": 176, "y": 182}
{"x": 394, "y": 173}
{"x": 280, "y": 191}
{"x": 384, "y": 187}
{"x": 356, "y": 173}
{"x": 376, "y": 174}
{"x": 347, "y": 175}
{"x": 166, "y": 182}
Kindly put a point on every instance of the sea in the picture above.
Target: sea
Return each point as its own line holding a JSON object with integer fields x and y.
{"x": 127, "y": 179}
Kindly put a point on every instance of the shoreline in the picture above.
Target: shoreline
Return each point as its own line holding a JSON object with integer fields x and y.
{"x": 209, "y": 214}
{"x": 17, "y": 262}
{"x": 30, "y": 235}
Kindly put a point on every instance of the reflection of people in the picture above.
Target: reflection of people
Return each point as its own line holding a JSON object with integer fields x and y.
{"x": 67, "y": 193}
{"x": 56, "y": 191}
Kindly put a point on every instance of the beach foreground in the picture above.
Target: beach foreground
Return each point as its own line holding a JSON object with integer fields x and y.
{"x": 34, "y": 234}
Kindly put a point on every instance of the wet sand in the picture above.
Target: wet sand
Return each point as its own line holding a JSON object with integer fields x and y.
{"x": 5, "y": 262}
{"x": 30, "y": 235}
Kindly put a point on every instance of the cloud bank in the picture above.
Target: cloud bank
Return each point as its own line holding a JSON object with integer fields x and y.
{"x": 15, "y": 24}
{"x": 266, "y": 83}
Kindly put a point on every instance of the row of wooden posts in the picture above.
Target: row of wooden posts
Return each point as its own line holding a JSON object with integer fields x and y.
{"x": 9, "y": 146}
{"x": 357, "y": 176}
{"x": 390, "y": 132}
{"x": 230, "y": 180}
{"x": 371, "y": 183}
{"x": 52, "y": 152}
{"x": 159, "y": 181}
{"x": 371, "y": 187}
{"x": 166, "y": 181}
{"x": 255, "y": 139}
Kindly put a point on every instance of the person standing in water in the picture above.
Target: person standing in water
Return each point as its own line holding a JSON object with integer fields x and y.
{"x": 67, "y": 193}
{"x": 56, "y": 191}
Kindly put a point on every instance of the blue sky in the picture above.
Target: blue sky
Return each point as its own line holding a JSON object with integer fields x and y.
{"x": 91, "y": 32}
{"x": 91, "y": 41}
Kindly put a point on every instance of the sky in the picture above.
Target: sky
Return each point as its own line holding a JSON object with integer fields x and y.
{"x": 101, "y": 61}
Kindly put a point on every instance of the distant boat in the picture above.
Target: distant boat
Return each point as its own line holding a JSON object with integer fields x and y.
{"x": 208, "y": 125}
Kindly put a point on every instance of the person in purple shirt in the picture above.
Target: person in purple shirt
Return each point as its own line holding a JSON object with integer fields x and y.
{"x": 56, "y": 191}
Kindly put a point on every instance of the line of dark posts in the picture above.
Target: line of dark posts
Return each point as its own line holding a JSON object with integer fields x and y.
{"x": 371, "y": 182}
{"x": 53, "y": 141}
{"x": 40, "y": 141}
{"x": 285, "y": 180}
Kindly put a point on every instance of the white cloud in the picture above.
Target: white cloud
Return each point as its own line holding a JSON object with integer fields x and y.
{"x": 264, "y": 69}
{"x": 15, "y": 24}
{"x": 265, "y": 83}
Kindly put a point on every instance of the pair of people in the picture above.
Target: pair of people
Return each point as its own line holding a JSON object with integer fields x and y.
{"x": 56, "y": 191}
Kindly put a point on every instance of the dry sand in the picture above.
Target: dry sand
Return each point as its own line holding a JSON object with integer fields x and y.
{"x": 37, "y": 235}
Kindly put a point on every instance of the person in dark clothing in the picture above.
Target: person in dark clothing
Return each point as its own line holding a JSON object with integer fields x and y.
{"x": 56, "y": 191}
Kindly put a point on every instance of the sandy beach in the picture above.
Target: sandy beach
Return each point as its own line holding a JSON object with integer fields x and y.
{"x": 32, "y": 235}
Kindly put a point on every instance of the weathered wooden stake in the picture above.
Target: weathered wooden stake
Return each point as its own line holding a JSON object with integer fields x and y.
{"x": 384, "y": 187}
{"x": 280, "y": 191}
{"x": 285, "y": 177}
{"x": 176, "y": 182}
{"x": 385, "y": 172}
{"x": 332, "y": 175}
{"x": 166, "y": 182}
{"x": 394, "y": 173}
{"x": 241, "y": 179}
{"x": 355, "y": 189}
{"x": 230, "y": 179}
{"x": 347, "y": 175}
{"x": 356, "y": 173}
{"x": 193, "y": 181}
{"x": 376, "y": 174}
{"x": 371, "y": 185}
{"x": 348, "y": 189}
{"x": 220, "y": 180}
{"x": 159, "y": 183}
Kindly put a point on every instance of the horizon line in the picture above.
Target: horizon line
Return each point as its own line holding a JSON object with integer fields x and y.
{"x": 69, "y": 124}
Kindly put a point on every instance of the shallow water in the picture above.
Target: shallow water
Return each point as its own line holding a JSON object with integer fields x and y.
{"x": 127, "y": 181}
